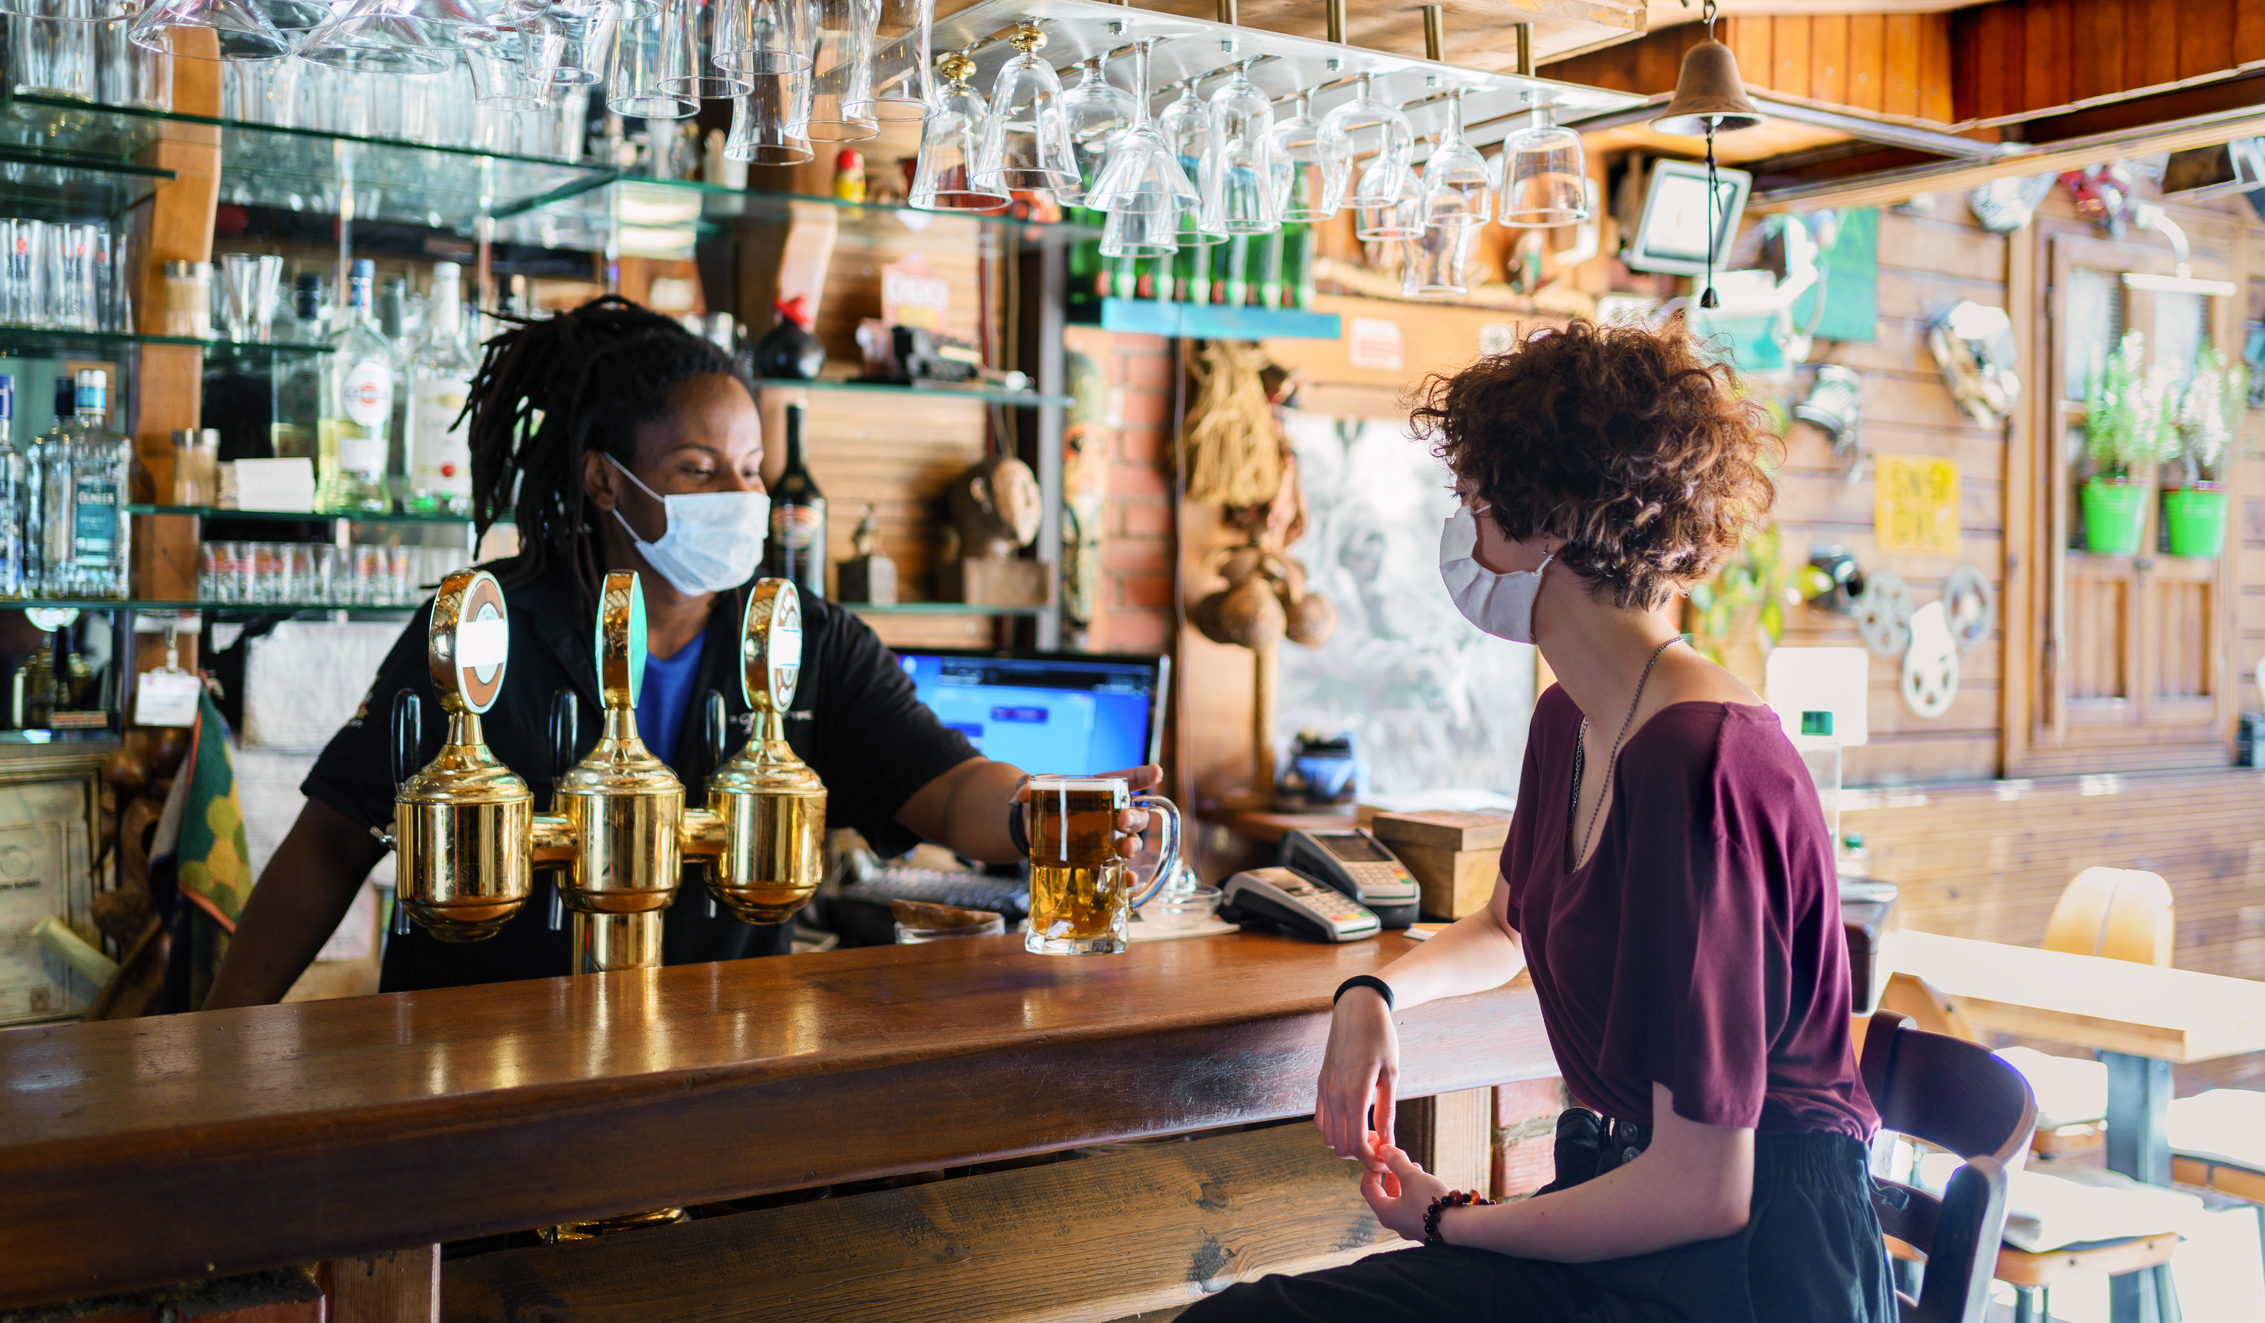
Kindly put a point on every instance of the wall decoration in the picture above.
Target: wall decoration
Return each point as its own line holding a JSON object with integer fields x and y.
{"x": 1930, "y": 664}
{"x": 1883, "y": 613}
{"x": 1915, "y": 506}
{"x": 1836, "y": 407}
{"x": 2005, "y": 205}
{"x": 1432, "y": 703}
{"x": 1970, "y": 607}
{"x": 1974, "y": 350}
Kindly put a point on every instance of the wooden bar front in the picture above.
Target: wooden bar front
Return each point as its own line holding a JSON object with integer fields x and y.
{"x": 137, "y": 1153}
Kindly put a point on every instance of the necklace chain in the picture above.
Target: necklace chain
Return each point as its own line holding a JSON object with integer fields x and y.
{"x": 1581, "y": 759}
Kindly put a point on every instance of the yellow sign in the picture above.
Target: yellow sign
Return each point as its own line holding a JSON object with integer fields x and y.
{"x": 1916, "y": 510}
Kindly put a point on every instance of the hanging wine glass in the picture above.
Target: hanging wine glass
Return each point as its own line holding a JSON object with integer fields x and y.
{"x": 1097, "y": 113}
{"x": 243, "y": 30}
{"x": 1395, "y": 210}
{"x": 1304, "y": 159}
{"x": 950, "y": 142}
{"x": 841, "y": 71}
{"x": 1186, "y": 128}
{"x": 581, "y": 32}
{"x": 1457, "y": 189}
{"x": 502, "y": 77}
{"x": 695, "y": 32}
{"x": 650, "y": 63}
{"x": 1026, "y": 142}
{"x": 764, "y": 37}
{"x": 763, "y": 119}
{"x": 394, "y": 36}
{"x": 1544, "y": 175}
{"x": 72, "y": 11}
{"x": 1153, "y": 233}
{"x": 1437, "y": 261}
{"x": 1142, "y": 173}
{"x": 901, "y": 88}
{"x": 1238, "y": 187}
{"x": 1370, "y": 130}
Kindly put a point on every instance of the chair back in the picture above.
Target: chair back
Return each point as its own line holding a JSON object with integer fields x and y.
{"x": 1957, "y": 1096}
{"x": 2120, "y": 913}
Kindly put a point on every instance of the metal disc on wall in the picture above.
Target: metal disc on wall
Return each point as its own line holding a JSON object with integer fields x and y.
{"x": 1970, "y": 606}
{"x": 1929, "y": 683}
{"x": 1883, "y": 613}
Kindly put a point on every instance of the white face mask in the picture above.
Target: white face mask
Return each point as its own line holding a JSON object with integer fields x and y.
{"x": 1500, "y": 604}
{"x": 713, "y": 541}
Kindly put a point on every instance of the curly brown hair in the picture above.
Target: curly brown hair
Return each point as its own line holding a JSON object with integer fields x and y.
{"x": 1622, "y": 440}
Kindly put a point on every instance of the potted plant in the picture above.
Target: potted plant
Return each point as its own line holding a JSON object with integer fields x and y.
{"x": 2194, "y": 508}
{"x": 2125, "y": 422}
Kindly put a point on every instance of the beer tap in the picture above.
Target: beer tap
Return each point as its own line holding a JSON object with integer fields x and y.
{"x": 461, "y": 824}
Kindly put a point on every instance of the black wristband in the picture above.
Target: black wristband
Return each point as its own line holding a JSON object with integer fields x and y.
{"x": 1015, "y": 832}
{"x": 1383, "y": 989}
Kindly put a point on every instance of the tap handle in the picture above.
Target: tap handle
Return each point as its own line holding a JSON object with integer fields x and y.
{"x": 408, "y": 732}
{"x": 400, "y": 917}
{"x": 715, "y": 726}
{"x": 558, "y": 909}
{"x": 566, "y": 727}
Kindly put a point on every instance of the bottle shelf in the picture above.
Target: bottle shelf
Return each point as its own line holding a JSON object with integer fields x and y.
{"x": 305, "y": 516}
{"x": 1216, "y": 321}
{"x": 938, "y": 609}
{"x": 359, "y": 609}
{"x": 52, "y": 339}
{"x": 1024, "y": 399}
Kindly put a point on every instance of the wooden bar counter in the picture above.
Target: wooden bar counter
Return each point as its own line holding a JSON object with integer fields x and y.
{"x": 142, "y": 1152}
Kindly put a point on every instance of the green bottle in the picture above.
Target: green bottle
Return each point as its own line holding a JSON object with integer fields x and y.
{"x": 1297, "y": 266}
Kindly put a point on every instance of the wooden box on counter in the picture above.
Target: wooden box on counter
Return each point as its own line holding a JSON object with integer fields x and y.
{"x": 1455, "y": 856}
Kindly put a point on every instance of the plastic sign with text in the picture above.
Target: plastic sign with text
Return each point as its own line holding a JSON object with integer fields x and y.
{"x": 1915, "y": 509}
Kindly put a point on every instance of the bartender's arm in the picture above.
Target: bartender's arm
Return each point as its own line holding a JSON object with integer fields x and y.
{"x": 965, "y": 809}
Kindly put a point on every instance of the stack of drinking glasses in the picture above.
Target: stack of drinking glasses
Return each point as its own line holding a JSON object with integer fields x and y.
{"x": 65, "y": 277}
{"x": 309, "y": 574}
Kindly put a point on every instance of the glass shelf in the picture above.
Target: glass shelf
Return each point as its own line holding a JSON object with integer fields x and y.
{"x": 304, "y": 516}
{"x": 939, "y": 609}
{"x": 306, "y": 170}
{"x": 55, "y": 340}
{"x": 36, "y": 184}
{"x": 1216, "y": 321}
{"x": 242, "y": 608}
{"x": 1025, "y": 399}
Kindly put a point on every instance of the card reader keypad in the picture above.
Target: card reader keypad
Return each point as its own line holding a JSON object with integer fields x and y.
{"x": 1385, "y": 882}
{"x": 1343, "y": 912}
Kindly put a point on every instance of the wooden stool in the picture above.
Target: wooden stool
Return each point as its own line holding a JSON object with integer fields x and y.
{"x": 2033, "y": 1276}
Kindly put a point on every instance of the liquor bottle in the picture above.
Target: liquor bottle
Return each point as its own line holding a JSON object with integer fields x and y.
{"x": 798, "y": 517}
{"x": 88, "y": 506}
{"x": 40, "y": 533}
{"x": 440, "y": 377}
{"x": 295, "y": 431}
{"x": 12, "y": 498}
{"x": 393, "y": 320}
{"x": 357, "y": 405}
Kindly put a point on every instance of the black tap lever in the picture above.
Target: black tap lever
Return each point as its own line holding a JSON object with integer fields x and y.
{"x": 566, "y": 730}
{"x": 408, "y": 732}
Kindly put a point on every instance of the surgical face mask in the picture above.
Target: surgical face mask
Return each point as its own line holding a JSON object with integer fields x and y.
{"x": 1500, "y": 604}
{"x": 713, "y": 541}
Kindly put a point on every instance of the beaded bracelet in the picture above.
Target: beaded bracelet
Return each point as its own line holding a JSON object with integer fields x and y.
{"x": 1451, "y": 1199}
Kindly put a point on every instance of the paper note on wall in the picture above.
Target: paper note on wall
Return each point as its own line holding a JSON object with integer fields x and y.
{"x": 1374, "y": 342}
{"x": 1915, "y": 510}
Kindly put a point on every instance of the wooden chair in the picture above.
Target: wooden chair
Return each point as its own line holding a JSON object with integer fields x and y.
{"x": 2120, "y": 913}
{"x": 1956, "y": 1096}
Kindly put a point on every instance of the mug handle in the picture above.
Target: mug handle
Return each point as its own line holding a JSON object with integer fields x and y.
{"x": 1169, "y": 862}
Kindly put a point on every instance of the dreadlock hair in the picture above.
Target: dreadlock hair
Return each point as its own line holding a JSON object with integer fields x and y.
{"x": 550, "y": 391}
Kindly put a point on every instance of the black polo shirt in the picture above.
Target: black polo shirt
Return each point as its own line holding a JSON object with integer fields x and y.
{"x": 856, "y": 721}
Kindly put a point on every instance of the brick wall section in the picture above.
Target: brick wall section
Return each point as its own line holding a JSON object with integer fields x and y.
{"x": 1139, "y": 532}
{"x": 1525, "y": 1134}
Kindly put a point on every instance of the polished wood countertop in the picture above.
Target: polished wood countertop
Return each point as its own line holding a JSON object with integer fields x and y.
{"x": 140, "y": 1152}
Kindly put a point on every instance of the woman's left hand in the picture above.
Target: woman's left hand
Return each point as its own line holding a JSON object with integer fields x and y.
{"x": 1402, "y": 1193}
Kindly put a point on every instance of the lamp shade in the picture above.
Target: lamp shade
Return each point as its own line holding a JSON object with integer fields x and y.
{"x": 1709, "y": 96}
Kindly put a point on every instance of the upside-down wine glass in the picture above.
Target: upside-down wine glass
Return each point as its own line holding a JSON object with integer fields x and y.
{"x": 1238, "y": 185}
{"x": 1544, "y": 175}
{"x": 950, "y": 141}
{"x": 764, "y": 37}
{"x": 1186, "y": 128}
{"x": 1142, "y": 173}
{"x": 1097, "y": 113}
{"x": 841, "y": 71}
{"x": 1026, "y": 142}
{"x": 1370, "y": 129}
{"x": 1304, "y": 158}
{"x": 1457, "y": 189}
{"x": 763, "y": 120}
{"x": 900, "y": 87}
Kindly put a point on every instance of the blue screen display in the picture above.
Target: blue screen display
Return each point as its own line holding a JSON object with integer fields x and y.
{"x": 1043, "y": 714}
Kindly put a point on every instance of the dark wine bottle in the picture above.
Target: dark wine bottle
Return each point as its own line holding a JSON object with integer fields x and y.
{"x": 798, "y": 518}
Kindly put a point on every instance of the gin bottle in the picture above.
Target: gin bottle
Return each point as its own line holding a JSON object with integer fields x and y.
{"x": 98, "y": 464}
{"x": 13, "y": 493}
{"x": 296, "y": 426}
{"x": 357, "y": 406}
{"x": 440, "y": 378}
{"x": 50, "y": 466}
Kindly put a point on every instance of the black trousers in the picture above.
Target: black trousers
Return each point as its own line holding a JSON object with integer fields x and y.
{"x": 1810, "y": 1253}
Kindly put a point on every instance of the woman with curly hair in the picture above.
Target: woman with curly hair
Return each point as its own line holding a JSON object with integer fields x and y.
{"x": 1668, "y": 882}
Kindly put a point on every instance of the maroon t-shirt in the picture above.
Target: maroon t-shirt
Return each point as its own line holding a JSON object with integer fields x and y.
{"x": 1700, "y": 946}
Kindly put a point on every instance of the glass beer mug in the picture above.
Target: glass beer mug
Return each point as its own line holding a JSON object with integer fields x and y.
{"x": 1081, "y": 883}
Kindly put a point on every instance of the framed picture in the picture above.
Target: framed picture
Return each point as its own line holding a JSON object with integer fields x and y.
{"x": 48, "y": 808}
{"x": 1672, "y": 234}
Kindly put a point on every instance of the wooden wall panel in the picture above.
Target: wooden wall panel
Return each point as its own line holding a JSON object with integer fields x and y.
{"x": 2021, "y": 58}
{"x": 1899, "y": 65}
{"x": 1867, "y": 54}
{"x": 1988, "y": 861}
{"x": 1790, "y": 66}
{"x": 1828, "y": 59}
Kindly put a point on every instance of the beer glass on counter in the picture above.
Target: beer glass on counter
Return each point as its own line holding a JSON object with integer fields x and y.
{"x": 1081, "y": 881}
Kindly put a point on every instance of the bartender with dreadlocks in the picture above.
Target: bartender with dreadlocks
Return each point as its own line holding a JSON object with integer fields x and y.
{"x": 631, "y": 444}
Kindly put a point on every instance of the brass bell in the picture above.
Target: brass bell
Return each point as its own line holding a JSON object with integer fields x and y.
{"x": 1709, "y": 96}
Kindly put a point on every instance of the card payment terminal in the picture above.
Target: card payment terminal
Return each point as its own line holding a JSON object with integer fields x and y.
{"x": 1287, "y": 899}
{"x": 1357, "y": 864}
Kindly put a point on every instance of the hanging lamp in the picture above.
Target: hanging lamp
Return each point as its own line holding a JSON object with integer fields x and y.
{"x": 1710, "y": 98}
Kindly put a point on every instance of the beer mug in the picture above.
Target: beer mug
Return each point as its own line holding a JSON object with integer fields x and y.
{"x": 1081, "y": 883}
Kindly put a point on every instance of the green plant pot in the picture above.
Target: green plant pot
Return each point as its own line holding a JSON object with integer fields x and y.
{"x": 2195, "y": 517}
{"x": 2114, "y": 510}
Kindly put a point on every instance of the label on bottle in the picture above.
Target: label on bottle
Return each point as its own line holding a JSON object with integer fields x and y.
{"x": 94, "y": 521}
{"x": 440, "y": 448}
{"x": 366, "y": 398}
{"x": 795, "y": 527}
